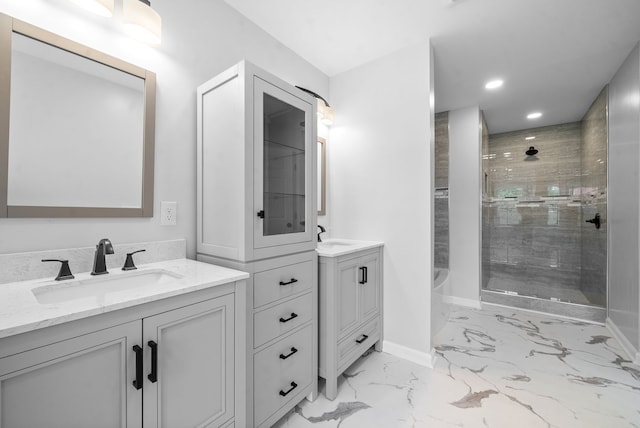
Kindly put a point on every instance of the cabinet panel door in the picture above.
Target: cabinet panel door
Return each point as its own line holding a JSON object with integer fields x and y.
{"x": 283, "y": 154}
{"x": 195, "y": 365}
{"x": 347, "y": 296}
{"x": 76, "y": 383}
{"x": 370, "y": 290}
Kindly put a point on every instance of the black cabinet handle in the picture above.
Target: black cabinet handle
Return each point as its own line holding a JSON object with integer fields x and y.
{"x": 293, "y": 351}
{"x": 293, "y": 315}
{"x": 153, "y": 376}
{"x": 293, "y": 386}
{"x": 293, "y": 281}
{"x": 363, "y": 274}
{"x": 366, "y": 274}
{"x": 137, "y": 382}
{"x": 261, "y": 213}
{"x": 362, "y": 339}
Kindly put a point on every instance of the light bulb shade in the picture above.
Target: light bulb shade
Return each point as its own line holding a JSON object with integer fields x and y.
{"x": 328, "y": 116}
{"x": 142, "y": 22}
{"x": 99, "y": 7}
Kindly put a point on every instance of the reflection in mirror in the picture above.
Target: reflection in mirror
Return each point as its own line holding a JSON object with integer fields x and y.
{"x": 101, "y": 124}
{"x": 322, "y": 176}
{"x": 76, "y": 129}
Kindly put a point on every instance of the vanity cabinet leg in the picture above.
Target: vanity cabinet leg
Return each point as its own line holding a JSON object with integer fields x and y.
{"x": 331, "y": 388}
{"x": 378, "y": 346}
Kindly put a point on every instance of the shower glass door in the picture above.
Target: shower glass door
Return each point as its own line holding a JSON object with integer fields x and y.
{"x": 544, "y": 212}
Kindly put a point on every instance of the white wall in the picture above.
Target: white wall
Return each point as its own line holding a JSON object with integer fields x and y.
{"x": 624, "y": 199}
{"x": 200, "y": 39}
{"x": 380, "y": 187}
{"x": 465, "y": 215}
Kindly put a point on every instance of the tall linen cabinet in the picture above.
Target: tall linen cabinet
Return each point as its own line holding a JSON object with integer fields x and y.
{"x": 257, "y": 213}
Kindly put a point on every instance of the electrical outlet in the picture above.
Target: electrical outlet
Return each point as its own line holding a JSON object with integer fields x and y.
{"x": 168, "y": 213}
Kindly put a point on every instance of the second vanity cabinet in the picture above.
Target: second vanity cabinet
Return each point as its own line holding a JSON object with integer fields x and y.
{"x": 164, "y": 364}
{"x": 350, "y": 294}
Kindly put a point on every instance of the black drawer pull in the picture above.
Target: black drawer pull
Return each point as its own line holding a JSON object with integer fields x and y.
{"x": 293, "y": 386}
{"x": 153, "y": 376}
{"x": 137, "y": 382}
{"x": 293, "y": 351}
{"x": 362, "y": 339}
{"x": 293, "y": 281}
{"x": 293, "y": 315}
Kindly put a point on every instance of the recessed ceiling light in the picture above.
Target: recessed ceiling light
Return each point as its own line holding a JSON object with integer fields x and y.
{"x": 530, "y": 138}
{"x": 534, "y": 115}
{"x": 494, "y": 84}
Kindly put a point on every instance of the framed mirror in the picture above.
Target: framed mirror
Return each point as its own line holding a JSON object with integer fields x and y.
{"x": 77, "y": 129}
{"x": 322, "y": 176}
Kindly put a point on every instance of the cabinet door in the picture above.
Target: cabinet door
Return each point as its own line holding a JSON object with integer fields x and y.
{"x": 369, "y": 282}
{"x": 76, "y": 383}
{"x": 283, "y": 153}
{"x": 195, "y": 365}
{"x": 347, "y": 297}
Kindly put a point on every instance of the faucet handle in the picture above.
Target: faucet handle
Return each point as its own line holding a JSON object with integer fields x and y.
{"x": 128, "y": 263}
{"x": 65, "y": 271}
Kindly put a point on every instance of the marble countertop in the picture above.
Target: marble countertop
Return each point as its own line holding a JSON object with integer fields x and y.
{"x": 21, "y": 311}
{"x": 335, "y": 247}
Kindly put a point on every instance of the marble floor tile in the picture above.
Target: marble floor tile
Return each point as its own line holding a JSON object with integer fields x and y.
{"x": 495, "y": 368}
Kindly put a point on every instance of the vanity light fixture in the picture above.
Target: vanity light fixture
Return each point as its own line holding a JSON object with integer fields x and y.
{"x": 534, "y": 115}
{"x": 141, "y": 21}
{"x": 99, "y": 7}
{"x": 494, "y": 84}
{"x": 326, "y": 113}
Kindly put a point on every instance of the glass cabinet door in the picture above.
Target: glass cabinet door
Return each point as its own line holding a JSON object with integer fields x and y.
{"x": 282, "y": 166}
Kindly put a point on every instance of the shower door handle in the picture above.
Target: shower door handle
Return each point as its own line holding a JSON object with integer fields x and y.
{"x": 595, "y": 221}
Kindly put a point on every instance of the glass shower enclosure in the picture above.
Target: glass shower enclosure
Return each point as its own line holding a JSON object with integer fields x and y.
{"x": 544, "y": 206}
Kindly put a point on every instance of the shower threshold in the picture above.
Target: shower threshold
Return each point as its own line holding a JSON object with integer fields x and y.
{"x": 554, "y": 307}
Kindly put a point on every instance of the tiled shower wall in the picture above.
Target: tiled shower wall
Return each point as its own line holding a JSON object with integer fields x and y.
{"x": 441, "y": 202}
{"x": 535, "y": 240}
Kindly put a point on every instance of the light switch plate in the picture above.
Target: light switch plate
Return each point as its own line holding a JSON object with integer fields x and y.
{"x": 168, "y": 213}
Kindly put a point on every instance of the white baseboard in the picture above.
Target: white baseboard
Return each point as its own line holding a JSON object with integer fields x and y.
{"x": 461, "y": 301}
{"x": 624, "y": 342}
{"x": 409, "y": 354}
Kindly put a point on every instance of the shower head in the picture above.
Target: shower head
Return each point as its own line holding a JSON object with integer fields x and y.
{"x": 532, "y": 151}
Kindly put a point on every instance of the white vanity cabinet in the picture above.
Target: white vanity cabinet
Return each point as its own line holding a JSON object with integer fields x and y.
{"x": 256, "y": 212}
{"x": 350, "y": 310}
{"x": 83, "y": 381}
{"x": 163, "y": 364}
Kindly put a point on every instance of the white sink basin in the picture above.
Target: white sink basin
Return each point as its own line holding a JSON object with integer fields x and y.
{"x": 335, "y": 244}
{"x": 335, "y": 247}
{"x": 100, "y": 287}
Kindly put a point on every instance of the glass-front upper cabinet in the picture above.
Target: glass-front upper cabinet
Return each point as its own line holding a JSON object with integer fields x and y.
{"x": 283, "y": 154}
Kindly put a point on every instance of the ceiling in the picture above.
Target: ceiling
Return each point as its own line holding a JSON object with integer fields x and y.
{"x": 553, "y": 55}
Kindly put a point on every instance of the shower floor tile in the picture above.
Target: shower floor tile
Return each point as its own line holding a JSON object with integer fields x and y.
{"x": 495, "y": 368}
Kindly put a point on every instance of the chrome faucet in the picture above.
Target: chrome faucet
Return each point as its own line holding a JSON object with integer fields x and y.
{"x": 99, "y": 263}
{"x": 322, "y": 230}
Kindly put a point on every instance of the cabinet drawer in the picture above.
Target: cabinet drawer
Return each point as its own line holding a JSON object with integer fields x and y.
{"x": 277, "y": 369}
{"x": 275, "y": 284}
{"x": 349, "y": 349}
{"x": 273, "y": 322}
